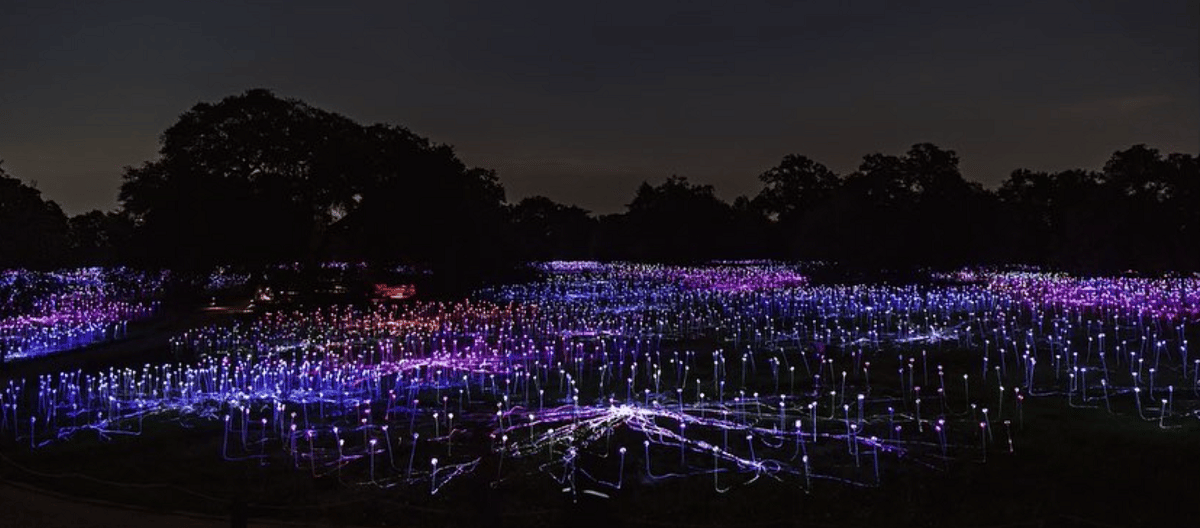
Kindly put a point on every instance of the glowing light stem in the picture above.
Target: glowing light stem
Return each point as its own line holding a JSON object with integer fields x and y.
{"x": 621, "y": 468}
{"x": 682, "y": 445}
{"x": 807, "y": 476}
{"x": 412, "y": 455}
{"x": 1104, "y": 388}
{"x": 717, "y": 470}
{"x": 433, "y": 476}
{"x": 983, "y": 439}
{"x": 966, "y": 388}
{"x": 225, "y": 440}
{"x": 875, "y": 456}
{"x": 1008, "y": 431}
{"x": 371, "y": 449}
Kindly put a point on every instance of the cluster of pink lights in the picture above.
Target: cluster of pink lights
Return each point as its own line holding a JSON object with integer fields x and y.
{"x": 52, "y": 312}
{"x": 1177, "y": 298}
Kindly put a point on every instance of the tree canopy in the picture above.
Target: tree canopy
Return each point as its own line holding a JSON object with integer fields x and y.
{"x": 673, "y": 221}
{"x": 548, "y": 230}
{"x": 33, "y": 231}
{"x": 256, "y": 179}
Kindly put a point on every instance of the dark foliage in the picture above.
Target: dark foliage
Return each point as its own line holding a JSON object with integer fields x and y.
{"x": 547, "y": 230}
{"x": 33, "y": 231}
{"x": 256, "y": 179}
{"x": 674, "y": 221}
{"x": 97, "y": 238}
{"x": 1140, "y": 213}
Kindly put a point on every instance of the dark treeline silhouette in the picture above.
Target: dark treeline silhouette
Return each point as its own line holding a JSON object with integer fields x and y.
{"x": 33, "y": 231}
{"x": 257, "y": 179}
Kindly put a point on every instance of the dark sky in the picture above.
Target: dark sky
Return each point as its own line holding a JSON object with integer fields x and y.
{"x": 581, "y": 101}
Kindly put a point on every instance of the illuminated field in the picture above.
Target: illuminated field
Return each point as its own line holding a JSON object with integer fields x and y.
{"x": 45, "y": 313}
{"x": 603, "y": 377}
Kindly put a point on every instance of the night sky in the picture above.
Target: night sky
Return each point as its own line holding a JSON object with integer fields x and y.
{"x": 582, "y": 101}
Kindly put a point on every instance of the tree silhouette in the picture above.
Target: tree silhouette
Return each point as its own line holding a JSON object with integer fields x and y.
{"x": 252, "y": 179}
{"x": 98, "y": 238}
{"x": 793, "y": 187}
{"x": 752, "y": 234}
{"x": 418, "y": 203}
{"x": 872, "y": 218}
{"x": 257, "y": 179}
{"x": 1139, "y": 213}
{"x": 677, "y": 221}
{"x": 1183, "y": 204}
{"x": 906, "y": 212}
{"x": 1028, "y": 227}
{"x": 33, "y": 231}
{"x": 952, "y": 221}
{"x": 914, "y": 210}
{"x": 547, "y": 230}
{"x": 1140, "y": 186}
{"x": 793, "y": 193}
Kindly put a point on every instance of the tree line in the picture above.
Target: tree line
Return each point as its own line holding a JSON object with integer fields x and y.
{"x": 256, "y": 179}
